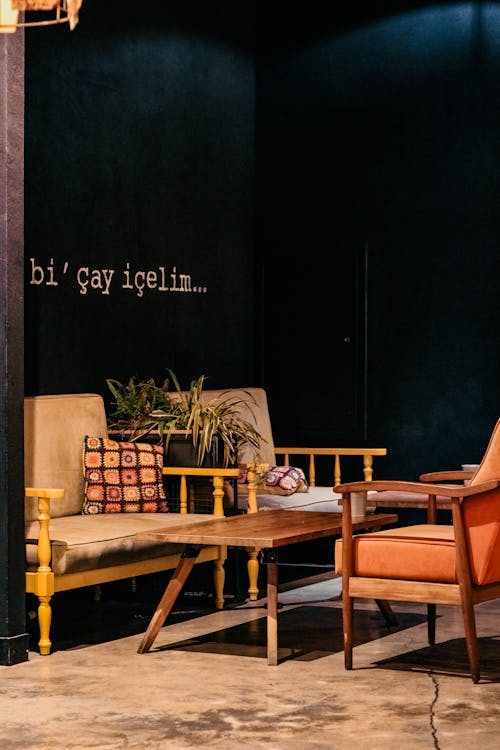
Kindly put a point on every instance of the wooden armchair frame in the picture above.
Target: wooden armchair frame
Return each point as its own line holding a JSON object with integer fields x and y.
{"x": 463, "y": 591}
{"x": 432, "y": 502}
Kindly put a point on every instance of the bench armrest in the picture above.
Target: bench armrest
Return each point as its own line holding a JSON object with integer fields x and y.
{"x": 44, "y": 495}
{"x": 50, "y": 494}
{"x": 367, "y": 453}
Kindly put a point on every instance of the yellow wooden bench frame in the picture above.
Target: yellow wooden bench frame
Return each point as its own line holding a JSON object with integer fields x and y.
{"x": 313, "y": 453}
{"x": 44, "y": 583}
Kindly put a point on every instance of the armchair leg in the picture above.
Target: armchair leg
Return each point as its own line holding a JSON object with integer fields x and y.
{"x": 347, "y": 618}
{"x": 464, "y": 579}
{"x": 386, "y": 609}
{"x": 44, "y": 621}
{"x": 471, "y": 639}
{"x": 431, "y": 624}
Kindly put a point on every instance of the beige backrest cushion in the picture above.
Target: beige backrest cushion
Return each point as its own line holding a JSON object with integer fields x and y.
{"x": 54, "y": 428}
{"x": 255, "y": 410}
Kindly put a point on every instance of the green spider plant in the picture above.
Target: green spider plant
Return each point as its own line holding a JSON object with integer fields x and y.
{"x": 142, "y": 407}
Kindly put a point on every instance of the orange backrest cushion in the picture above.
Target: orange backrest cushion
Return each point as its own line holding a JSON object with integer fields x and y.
{"x": 482, "y": 517}
{"x": 490, "y": 465}
{"x": 482, "y": 526}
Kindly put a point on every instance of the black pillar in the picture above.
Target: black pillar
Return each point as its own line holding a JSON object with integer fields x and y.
{"x": 13, "y": 635}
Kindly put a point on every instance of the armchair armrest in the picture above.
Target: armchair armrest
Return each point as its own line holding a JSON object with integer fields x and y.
{"x": 447, "y": 476}
{"x": 411, "y": 491}
{"x": 459, "y": 491}
{"x": 367, "y": 453}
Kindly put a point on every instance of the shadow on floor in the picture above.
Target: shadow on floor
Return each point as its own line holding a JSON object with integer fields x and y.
{"x": 79, "y": 620}
{"x": 305, "y": 633}
{"x": 449, "y": 658}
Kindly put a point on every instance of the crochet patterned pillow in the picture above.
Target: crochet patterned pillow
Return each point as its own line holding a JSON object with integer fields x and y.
{"x": 279, "y": 480}
{"x": 285, "y": 480}
{"x": 122, "y": 477}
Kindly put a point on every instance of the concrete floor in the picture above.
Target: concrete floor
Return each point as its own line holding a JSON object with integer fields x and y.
{"x": 206, "y": 684}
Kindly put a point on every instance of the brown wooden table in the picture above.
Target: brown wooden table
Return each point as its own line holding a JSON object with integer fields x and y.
{"x": 267, "y": 530}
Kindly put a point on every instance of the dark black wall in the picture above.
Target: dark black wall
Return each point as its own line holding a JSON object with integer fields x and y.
{"x": 382, "y": 124}
{"x": 377, "y": 132}
{"x": 140, "y": 156}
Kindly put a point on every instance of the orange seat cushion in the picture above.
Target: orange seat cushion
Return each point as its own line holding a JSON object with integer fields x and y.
{"x": 424, "y": 552}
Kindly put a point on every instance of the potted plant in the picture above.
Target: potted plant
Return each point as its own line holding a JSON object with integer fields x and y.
{"x": 143, "y": 408}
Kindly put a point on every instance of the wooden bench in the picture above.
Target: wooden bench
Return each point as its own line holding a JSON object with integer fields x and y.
{"x": 66, "y": 549}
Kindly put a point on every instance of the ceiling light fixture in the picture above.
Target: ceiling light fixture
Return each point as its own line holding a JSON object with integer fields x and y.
{"x": 54, "y": 11}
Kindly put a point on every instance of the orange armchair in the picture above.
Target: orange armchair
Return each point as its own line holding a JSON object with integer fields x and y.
{"x": 435, "y": 564}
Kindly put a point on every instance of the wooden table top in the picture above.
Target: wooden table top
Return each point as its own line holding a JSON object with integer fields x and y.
{"x": 267, "y": 529}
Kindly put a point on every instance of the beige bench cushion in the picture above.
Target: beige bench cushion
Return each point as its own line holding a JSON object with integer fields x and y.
{"x": 54, "y": 428}
{"x": 87, "y": 542}
{"x": 257, "y": 413}
{"x": 317, "y": 498}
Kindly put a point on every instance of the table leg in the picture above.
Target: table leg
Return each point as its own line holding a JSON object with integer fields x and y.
{"x": 174, "y": 588}
{"x": 272, "y": 608}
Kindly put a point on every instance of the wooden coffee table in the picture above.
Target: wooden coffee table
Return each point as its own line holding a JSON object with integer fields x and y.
{"x": 267, "y": 530}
